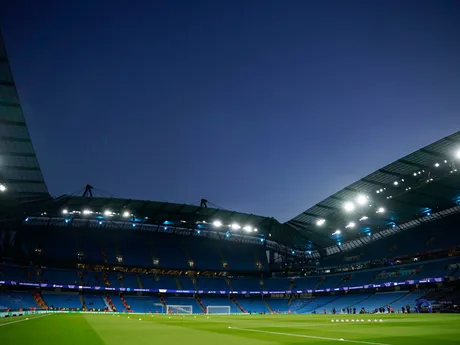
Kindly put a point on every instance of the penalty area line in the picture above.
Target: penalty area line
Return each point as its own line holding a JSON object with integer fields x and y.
{"x": 22, "y": 320}
{"x": 306, "y": 336}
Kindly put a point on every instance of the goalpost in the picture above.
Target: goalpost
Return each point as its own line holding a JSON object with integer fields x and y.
{"x": 218, "y": 309}
{"x": 179, "y": 309}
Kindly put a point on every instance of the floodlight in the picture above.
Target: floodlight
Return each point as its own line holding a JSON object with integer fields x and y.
{"x": 217, "y": 223}
{"x": 458, "y": 154}
{"x": 320, "y": 222}
{"x": 235, "y": 226}
{"x": 255, "y": 230}
{"x": 363, "y": 218}
{"x": 247, "y": 228}
{"x": 350, "y": 225}
{"x": 380, "y": 210}
{"x": 395, "y": 183}
{"x": 361, "y": 199}
{"x": 64, "y": 211}
{"x": 87, "y": 212}
{"x": 126, "y": 214}
{"x": 415, "y": 174}
{"x": 2, "y": 187}
{"x": 436, "y": 165}
{"x": 349, "y": 206}
{"x": 107, "y": 213}
{"x": 336, "y": 232}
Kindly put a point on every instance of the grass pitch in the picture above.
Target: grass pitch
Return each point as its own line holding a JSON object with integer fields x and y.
{"x": 91, "y": 329}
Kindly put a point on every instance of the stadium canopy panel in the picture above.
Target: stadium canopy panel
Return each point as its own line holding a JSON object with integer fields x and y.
{"x": 418, "y": 185}
{"x": 19, "y": 169}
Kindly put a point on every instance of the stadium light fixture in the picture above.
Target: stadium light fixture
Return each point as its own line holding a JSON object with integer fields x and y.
{"x": 247, "y": 228}
{"x": 320, "y": 222}
{"x": 255, "y": 230}
{"x": 217, "y": 223}
{"x": 436, "y": 165}
{"x": 349, "y": 206}
{"x": 396, "y": 183}
{"x": 2, "y": 187}
{"x": 361, "y": 199}
{"x": 126, "y": 214}
{"x": 350, "y": 225}
{"x": 86, "y": 212}
{"x": 336, "y": 232}
{"x": 65, "y": 211}
{"x": 457, "y": 155}
{"x": 235, "y": 226}
{"x": 107, "y": 213}
{"x": 363, "y": 218}
{"x": 380, "y": 210}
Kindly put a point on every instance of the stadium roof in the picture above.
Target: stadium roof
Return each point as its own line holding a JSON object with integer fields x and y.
{"x": 161, "y": 213}
{"x": 421, "y": 183}
{"x": 19, "y": 169}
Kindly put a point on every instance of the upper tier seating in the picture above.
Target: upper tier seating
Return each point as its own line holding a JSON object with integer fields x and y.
{"x": 134, "y": 248}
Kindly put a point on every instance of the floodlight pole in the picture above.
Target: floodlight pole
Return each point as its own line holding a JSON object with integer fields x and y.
{"x": 88, "y": 191}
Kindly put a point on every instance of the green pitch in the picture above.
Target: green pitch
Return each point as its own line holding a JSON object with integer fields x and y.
{"x": 89, "y": 329}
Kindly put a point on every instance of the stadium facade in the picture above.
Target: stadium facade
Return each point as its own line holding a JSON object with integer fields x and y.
{"x": 382, "y": 244}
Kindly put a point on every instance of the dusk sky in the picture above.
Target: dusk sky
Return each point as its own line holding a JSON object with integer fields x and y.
{"x": 264, "y": 107}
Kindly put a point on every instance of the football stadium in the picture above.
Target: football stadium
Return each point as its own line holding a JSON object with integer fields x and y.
{"x": 375, "y": 263}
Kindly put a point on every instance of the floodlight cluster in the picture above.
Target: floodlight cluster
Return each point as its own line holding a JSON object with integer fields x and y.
{"x": 106, "y": 213}
{"x": 234, "y": 226}
{"x": 2, "y": 188}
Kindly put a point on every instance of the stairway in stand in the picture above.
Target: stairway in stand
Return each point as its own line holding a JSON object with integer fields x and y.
{"x": 106, "y": 280}
{"x": 179, "y": 287}
{"x": 139, "y": 282}
{"x": 125, "y": 304}
{"x": 109, "y": 303}
{"x": 197, "y": 298}
{"x": 237, "y": 305}
{"x": 83, "y": 303}
{"x": 39, "y": 300}
{"x": 229, "y": 283}
{"x": 163, "y": 302}
{"x": 268, "y": 306}
{"x": 195, "y": 285}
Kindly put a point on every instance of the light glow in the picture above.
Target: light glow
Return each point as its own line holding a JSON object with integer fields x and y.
{"x": 363, "y": 218}
{"x": 64, "y": 211}
{"x": 349, "y": 206}
{"x": 126, "y": 214}
{"x": 361, "y": 199}
{"x": 380, "y": 210}
{"x": 217, "y": 223}
{"x": 336, "y": 232}
{"x": 107, "y": 213}
{"x": 235, "y": 226}
{"x": 350, "y": 225}
{"x": 247, "y": 228}
{"x": 2, "y": 187}
{"x": 320, "y": 222}
{"x": 86, "y": 212}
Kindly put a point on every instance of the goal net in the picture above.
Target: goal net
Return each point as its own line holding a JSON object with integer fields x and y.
{"x": 218, "y": 309}
{"x": 179, "y": 309}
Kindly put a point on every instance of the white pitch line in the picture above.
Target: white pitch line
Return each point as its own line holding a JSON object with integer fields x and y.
{"x": 22, "y": 320}
{"x": 306, "y": 336}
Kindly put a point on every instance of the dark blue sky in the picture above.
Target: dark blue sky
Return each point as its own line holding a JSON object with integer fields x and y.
{"x": 264, "y": 107}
